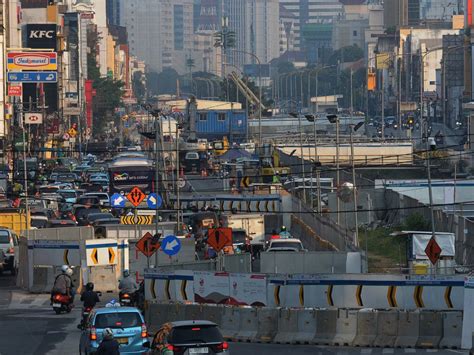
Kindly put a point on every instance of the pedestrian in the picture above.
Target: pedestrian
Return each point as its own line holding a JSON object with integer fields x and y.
{"x": 160, "y": 341}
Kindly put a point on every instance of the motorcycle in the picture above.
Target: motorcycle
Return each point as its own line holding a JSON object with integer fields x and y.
{"x": 62, "y": 303}
{"x": 127, "y": 299}
{"x": 85, "y": 314}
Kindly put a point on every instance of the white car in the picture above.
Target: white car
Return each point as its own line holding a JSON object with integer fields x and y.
{"x": 9, "y": 247}
{"x": 285, "y": 244}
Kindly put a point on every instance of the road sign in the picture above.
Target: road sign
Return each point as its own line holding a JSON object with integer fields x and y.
{"x": 32, "y": 77}
{"x": 148, "y": 245}
{"x": 136, "y": 220}
{"x": 117, "y": 200}
{"x": 171, "y": 245}
{"x": 72, "y": 132}
{"x": 245, "y": 181}
{"x": 218, "y": 238}
{"x": 433, "y": 251}
{"x": 181, "y": 183}
{"x": 153, "y": 201}
{"x": 33, "y": 118}
{"x": 136, "y": 196}
{"x": 32, "y": 61}
{"x": 14, "y": 90}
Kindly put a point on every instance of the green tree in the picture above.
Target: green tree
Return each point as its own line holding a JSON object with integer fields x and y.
{"x": 346, "y": 55}
{"x": 108, "y": 91}
{"x": 285, "y": 67}
{"x": 162, "y": 83}
{"x": 138, "y": 86}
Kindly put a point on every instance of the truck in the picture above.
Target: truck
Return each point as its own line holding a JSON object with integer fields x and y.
{"x": 252, "y": 223}
{"x": 15, "y": 219}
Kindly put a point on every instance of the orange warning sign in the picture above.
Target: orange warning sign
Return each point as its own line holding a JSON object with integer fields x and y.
{"x": 136, "y": 196}
{"x": 218, "y": 238}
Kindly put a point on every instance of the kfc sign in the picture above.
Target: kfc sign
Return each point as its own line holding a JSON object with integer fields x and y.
{"x": 41, "y": 36}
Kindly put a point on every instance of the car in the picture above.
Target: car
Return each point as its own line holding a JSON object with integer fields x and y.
{"x": 285, "y": 244}
{"x": 81, "y": 212}
{"x": 88, "y": 200}
{"x": 92, "y": 217}
{"x": 61, "y": 223}
{"x": 127, "y": 324}
{"x": 8, "y": 245}
{"x": 194, "y": 337}
{"x": 104, "y": 199}
{"x": 69, "y": 195}
{"x": 102, "y": 182}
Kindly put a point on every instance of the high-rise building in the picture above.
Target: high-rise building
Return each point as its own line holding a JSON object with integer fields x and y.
{"x": 413, "y": 12}
{"x": 310, "y": 12}
{"x": 160, "y": 32}
{"x": 256, "y": 26}
{"x": 113, "y": 12}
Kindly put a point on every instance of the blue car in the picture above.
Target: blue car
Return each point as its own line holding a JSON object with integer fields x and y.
{"x": 128, "y": 326}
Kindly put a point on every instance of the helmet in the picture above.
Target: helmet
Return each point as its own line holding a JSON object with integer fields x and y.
{"x": 69, "y": 272}
{"x": 64, "y": 268}
{"x": 283, "y": 228}
{"x": 90, "y": 286}
{"x": 126, "y": 273}
{"x": 108, "y": 333}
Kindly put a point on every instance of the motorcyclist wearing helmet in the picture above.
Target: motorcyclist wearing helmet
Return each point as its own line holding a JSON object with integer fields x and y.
{"x": 63, "y": 283}
{"x": 108, "y": 346}
{"x": 284, "y": 233}
{"x": 128, "y": 283}
{"x": 89, "y": 296}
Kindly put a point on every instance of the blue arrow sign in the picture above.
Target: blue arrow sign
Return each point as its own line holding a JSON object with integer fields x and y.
{"x": 153, "y": 201}
{"x": 171, "y": 245}
{"x": 117, "y": 200}
{"x": 32, "y": 77}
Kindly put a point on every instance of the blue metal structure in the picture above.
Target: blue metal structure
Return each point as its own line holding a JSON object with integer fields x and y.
{"x": 212, "y": 124}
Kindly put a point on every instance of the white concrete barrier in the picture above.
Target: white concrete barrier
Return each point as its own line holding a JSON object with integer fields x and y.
{"x": 307, "y": 325}
{"x": 287, "y": 326}
{"x": 452, "y": 330}
{"x": 326, "y": 326}
{"x": 346, "y": 327}
{"x": 387, "y": 328}
{"x": 430, "y": 329}
{"x": 366, "y": 328}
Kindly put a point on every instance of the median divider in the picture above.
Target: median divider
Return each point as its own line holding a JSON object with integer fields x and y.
{"x": 334, "y": 327}
{"x": 306, "y": 326}
{"x": 346, "y": 327}
{"x": 287, "y": 326}
{"x": 452, "y": 330}
{"x": 230, "y": 322}
{"x": 407, "y": 329}
{"x": 387, "y": 329}
{"x": 248, "y": 326}
{"x": 326, "y": 320}
{"x": 366, "y": 328}
{"x": 267, "y": 324}
{"x": 430, "y": 329}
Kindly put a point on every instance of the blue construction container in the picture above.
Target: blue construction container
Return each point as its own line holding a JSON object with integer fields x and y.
{"x": 214, "y": 125}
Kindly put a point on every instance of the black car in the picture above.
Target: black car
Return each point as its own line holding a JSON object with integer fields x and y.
{"x": 61, "y": 223}
{"x": 194, "y": 337}
{"x": 92, "y": 217}
{"x": 81, "y": 213}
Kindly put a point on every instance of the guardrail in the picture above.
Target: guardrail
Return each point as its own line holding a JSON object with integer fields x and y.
{"x": 334, "y": 327}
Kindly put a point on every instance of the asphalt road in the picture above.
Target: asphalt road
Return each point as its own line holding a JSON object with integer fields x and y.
{"x": 28, "y": 325}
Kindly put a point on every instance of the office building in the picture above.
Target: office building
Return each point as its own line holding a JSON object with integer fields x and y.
{"x": 160, "y": 32}
{"x": 256, "y": 25}
{"x": 311, "y": 12}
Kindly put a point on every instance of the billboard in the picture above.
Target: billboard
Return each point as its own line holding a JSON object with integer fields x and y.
{"x": 34, "y": 4}
{"x": 209, "y": 17}
{"x": 41, "y": 36}
{"x": 32, "y": 61}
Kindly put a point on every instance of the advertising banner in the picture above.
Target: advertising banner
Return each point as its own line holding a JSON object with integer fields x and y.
{"x": 211, "y": 287}
{"x": 248, "y": 290}
{"x": 14, "y": 90}
{"x": 33, "y": 118}
{"x": 32, "y": 61}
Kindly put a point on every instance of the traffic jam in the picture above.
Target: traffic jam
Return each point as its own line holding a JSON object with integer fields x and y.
{"x": 103, "y": 193}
